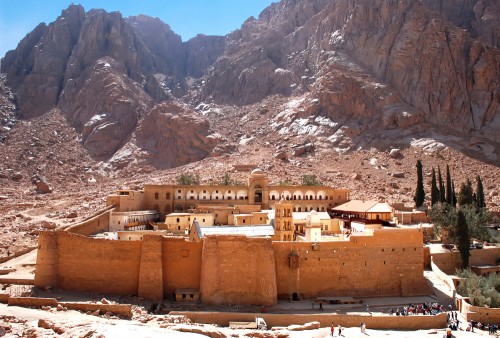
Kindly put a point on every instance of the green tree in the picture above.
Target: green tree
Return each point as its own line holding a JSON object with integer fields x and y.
{"x": 480, "y": 202}
{"x": 226, "y": 179}
{"x": 442, "y": 194}
{"x": 454, "y": 197}
{"x": 449, "y": 192}
{"x": 188, "y": 179}
{"x": 419, "y": 193}
{"x": 481, "y": 291}
{"x": 466, "y": 194}
{"x": 310, "y": 179}
{"x": 463, "y": 240}
{"x": 434, "y": 189}
{"x": 444, "y": 216}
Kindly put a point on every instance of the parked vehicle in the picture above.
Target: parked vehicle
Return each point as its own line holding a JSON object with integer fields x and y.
{"x": 259, "y": 324}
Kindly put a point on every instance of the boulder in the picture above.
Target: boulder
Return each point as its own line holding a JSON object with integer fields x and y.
{"x": 48, "y": 225}
{"x": 281, "y": 155}
{"x": 356, "y": 176}
{"x": 42, "y": 187}
{"x": 395, "y": 153}
{"x": 398, "y": 175}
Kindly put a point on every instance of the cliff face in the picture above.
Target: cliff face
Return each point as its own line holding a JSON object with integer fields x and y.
{"x": 105, "y": 73}
{"x": 384, "y": 66}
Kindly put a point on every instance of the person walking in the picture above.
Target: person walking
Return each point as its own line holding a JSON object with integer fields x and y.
{"x": 340, "y": 330}
{"x": 332, "y": 329}
{"x": 321, "y": 306}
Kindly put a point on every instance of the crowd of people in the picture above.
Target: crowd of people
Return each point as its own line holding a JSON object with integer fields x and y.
{"x": 427, "y": 308}
{"x": 491, "y": 328}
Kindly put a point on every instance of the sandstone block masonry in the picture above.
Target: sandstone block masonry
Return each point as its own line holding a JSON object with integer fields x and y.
{"x": 235, "y": 269}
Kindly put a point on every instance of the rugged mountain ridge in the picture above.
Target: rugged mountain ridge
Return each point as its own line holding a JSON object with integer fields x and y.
{"x": 378, "y": 74}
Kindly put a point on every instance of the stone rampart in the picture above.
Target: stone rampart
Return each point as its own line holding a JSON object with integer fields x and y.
{"x": 372, "y": 322}
{"x": 181, "y": 265}
{"x": 235, "y": 269}
{"x": 388, "y": 263}
{"x": 238, "y": 270}
{"x": 96, "y": 223}
{"x": 80, "y": 263}
{"x": 151, "y": 268}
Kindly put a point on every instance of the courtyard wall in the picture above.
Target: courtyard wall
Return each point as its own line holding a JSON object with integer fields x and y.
{"x": 235, "y": 269}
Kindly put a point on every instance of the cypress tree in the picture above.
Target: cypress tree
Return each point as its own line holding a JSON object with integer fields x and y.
{"x": 466, "y": 194}
{"x": 419, "y": 193}
{"x": 454, "y": 197}
{"x": 434, "y": 189}
{"x": 442, "y": 194}
{"x": 480, "y": 202}
{"x": 449, "y": 197}
{"x": 463, "y": 239}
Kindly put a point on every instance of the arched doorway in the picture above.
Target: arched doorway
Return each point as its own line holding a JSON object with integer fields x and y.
{"x": 258, "y": 194}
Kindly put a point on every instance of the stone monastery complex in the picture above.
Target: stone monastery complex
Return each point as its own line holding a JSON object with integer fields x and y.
{"x": 250, "y": 244}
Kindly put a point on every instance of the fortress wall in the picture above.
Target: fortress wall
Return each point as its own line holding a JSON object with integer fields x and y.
{"x": 181, "y": 265}
{"x": 97, "y": 223}
{"x": 345, "y": 320}
{"x": 151, "y": 271}
{"x": 238, "y": 270}
{"x": 46, "y": 269}
{"x": 448, "y": 262}
{"x": 97, "y": 265}
{"x": 388, "y": 263}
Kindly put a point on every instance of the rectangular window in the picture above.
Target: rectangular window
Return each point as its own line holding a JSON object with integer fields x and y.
{"x": 178, "y": 191}
{"x": 156, "y": 196}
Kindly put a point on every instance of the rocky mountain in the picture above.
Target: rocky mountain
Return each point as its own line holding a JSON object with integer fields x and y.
{"x": 342, "y": 75}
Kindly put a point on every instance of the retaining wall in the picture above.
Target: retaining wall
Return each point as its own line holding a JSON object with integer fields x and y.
{"x": 372, "y": 322}
{"x": 96, "y": 223}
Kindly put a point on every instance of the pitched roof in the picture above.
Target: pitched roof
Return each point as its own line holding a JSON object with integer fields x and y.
{"x": 363, "y": 206}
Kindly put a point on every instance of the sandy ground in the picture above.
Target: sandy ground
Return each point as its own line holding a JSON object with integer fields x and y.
{"x": 77, "y": 324}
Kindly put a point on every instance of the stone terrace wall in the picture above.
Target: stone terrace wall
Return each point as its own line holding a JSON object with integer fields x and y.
{"x": 80, "y": 263}
{"x": 480, "y": 314}
{"x": 388, "y": 263}
{"x": 181, "y": 265}
{"x": 448, "y": 262}
{"x": 94, "y": 224}
{"x": 238, "y": 270}
{"x": 372, "y": 322}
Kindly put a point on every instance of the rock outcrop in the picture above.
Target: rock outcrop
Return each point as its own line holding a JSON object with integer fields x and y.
{"x": 368, "y": 69}
{"x": 171, "y": 136}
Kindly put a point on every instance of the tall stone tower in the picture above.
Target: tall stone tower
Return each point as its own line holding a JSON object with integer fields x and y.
{"x": 283, "y": 221}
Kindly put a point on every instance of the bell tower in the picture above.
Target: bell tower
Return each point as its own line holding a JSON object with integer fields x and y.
{"x": 283, "y": 221}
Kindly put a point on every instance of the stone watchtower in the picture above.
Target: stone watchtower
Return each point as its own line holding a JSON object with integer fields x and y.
{"x": 258, "y": 186}
{"x": 283, "y": 221}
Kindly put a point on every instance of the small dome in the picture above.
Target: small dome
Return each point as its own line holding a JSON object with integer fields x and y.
{"x": 257, "y": 172}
